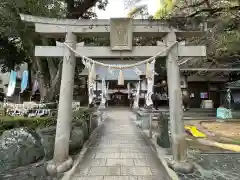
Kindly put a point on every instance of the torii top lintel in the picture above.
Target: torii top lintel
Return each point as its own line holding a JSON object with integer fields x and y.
{"x": 101, "y": 27}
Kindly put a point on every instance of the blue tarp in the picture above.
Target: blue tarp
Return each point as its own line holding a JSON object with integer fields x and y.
{"x": 223, "y": 113}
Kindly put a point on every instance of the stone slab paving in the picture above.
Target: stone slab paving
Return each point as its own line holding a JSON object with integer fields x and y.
{"x": 120, "y": 152}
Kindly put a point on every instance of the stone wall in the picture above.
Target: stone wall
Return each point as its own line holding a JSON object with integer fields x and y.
{"x": 24, "y": 152}
{"x": 36, "y": 171}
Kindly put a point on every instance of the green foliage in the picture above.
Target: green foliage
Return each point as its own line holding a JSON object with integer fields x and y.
{"x": 53, "y": 105}
{"x": 138, "y": 10}
{"x": 10, "y": 54}
{"x": 21, "y": 48}
{"x": 8, "y": 122}
{"x": 237, "y": 141}
{"x": 223, "y": 37}
{"x": 164, "y": 9}
{"x": 228, "y": 44}
{"x": 10, "y": 9}
{"x": 82, "y": 114}
{"x": 18, "y": 39}
{"x": 163, "y": 138}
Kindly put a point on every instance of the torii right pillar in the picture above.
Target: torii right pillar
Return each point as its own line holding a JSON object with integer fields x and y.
{"x": 180, "y": 161}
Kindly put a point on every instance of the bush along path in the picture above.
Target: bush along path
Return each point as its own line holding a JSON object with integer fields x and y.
{"x": 27, "y": 143}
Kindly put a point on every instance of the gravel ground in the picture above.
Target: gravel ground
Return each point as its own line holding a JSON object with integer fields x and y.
{"x": 214, "y": 167}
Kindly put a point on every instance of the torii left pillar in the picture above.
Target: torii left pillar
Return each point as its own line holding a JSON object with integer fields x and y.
{"x": 61, "y": 160}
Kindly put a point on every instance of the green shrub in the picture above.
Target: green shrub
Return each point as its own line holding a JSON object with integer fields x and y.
{"x": 163, "y": 138}
{"x": 51, "y": 105}
{"x": 82, "y": 114}
{"x": 8, "y": 122}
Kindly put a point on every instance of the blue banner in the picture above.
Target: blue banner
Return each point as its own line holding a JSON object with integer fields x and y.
{"x": 12, "y": 83}
{"x": 24, "y": 82}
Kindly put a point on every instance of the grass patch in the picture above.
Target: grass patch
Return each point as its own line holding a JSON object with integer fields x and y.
{"x": 7, "y": 122}
{"x": 235, "y": 141}
{"x": 230, "y": 141}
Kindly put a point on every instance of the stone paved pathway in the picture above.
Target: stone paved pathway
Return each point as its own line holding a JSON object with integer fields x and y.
{"x": 120, "y": 152}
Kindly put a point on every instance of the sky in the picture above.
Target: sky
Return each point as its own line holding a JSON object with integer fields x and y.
{"x": 115, "y": 8}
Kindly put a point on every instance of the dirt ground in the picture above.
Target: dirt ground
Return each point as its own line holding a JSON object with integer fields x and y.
{"x": 224, "y": 132}
{"x": 225, "y": 129}
{"x": 194, "y": 145}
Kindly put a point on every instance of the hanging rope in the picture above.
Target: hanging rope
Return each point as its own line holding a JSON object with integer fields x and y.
{"x": 184, "y": 61}
{"x": 125, "y": 66}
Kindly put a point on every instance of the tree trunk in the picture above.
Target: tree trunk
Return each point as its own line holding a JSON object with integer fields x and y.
{"x": 54, "y": 87}
{"x": 29, "y": 88}
{"x": 55, "y": 74}
{"x": 41, "y": 80}
{"x": 43, "y": 89}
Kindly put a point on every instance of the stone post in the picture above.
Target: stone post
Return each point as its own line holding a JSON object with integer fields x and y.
{"x": 136, "y": 99}
{"x": 103, "y": 96}
{"x": 185, "y": 93}
{"x": 179, "y": 147}
{"x": 61, "y": 160}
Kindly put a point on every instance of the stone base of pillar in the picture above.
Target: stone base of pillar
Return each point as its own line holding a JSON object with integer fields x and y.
{"x": 148, "y": 107}
{"x": 53, "y": 169}
{"x": 182, "y": 167}
{"x": 101, "y": 107}
{"x": 136, "y": 109}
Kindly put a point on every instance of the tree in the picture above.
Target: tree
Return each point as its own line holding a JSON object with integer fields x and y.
{"x": 224, "y": 37}
{"x": 82, "y": 8}
{"x": 24, "y": 36}
{"x": 47, "y": 70}
{"x": 222, "y": 40}
{"x": 11, "y": 55}
{"x": 137, "y": 7}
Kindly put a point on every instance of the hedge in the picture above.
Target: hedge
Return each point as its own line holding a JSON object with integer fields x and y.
{"x": 8, "y": 122}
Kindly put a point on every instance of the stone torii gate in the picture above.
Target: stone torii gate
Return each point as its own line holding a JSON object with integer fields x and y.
{"x": 121, "y": 32}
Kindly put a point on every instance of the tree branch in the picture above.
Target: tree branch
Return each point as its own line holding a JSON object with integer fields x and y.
{"x": 215, "y": 10}
{"x": 79, "y": 10}
{"x": 193, "y": 5}
{"x": 207, "y": 3}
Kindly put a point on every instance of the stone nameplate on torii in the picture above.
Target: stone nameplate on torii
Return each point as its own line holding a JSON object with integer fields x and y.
{"x": 121, "y": 34}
